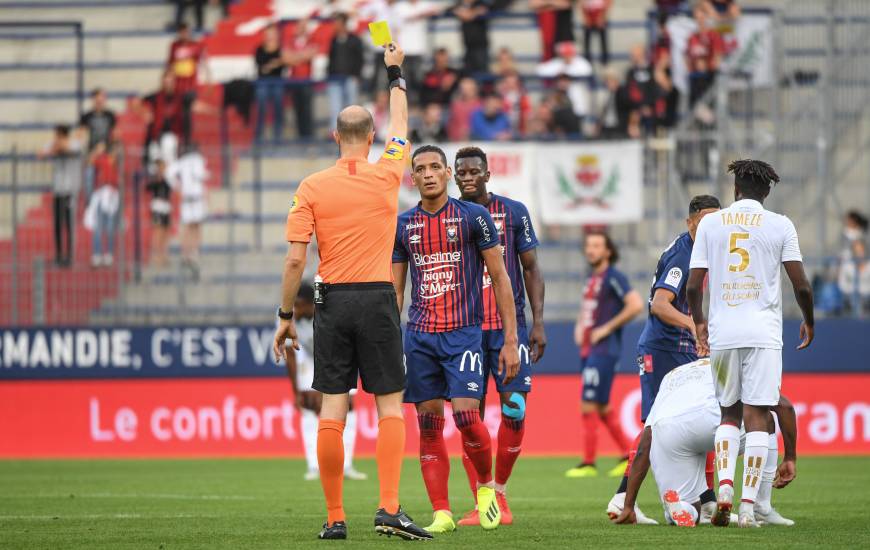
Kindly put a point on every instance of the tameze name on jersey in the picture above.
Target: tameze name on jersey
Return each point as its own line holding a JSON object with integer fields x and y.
{"x": 437, "y": 258}
{"x": 747, "y": 219}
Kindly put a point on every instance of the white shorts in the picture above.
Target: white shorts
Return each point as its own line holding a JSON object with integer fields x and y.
{"x": 750, "y": 375}
{"x": 193, "y": 211}
{"x": 678, "y": 454}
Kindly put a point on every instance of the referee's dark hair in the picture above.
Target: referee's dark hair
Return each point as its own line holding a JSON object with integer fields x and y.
{"x": 306, "y": 292}
{"x": 429, "y": 149}
{"x": 472, "y": 152}
{"x": 703, "y": 202}
{"x": 608, "y": 243}
{"x": 753, "y": 178}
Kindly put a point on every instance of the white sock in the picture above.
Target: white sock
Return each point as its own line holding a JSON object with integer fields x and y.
{"x": 309, "y": 437}
{"x": 349, "y": 438}
{"x": 727, "y": 446}
{"x": 768, "y": 474}
{"x": 753, "y": 464}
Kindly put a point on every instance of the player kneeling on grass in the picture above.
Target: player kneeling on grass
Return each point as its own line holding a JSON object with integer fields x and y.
{"x": 680, "y": 431}
{"x": 446, "y": 243}
{"x": 300, "y": 367}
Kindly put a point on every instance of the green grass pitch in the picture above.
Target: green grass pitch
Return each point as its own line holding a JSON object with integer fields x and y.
{"x": 213, "y": 504}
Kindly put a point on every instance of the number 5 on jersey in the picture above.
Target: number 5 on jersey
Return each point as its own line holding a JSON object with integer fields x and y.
{"x": 742, "y": 252}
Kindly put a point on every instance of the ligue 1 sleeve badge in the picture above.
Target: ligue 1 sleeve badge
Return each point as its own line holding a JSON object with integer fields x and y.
{"x": 295, "y": 203}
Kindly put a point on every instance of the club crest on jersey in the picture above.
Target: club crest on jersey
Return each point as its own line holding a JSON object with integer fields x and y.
{"x": 499, "y": 226}
{"x": 452, "y": 234}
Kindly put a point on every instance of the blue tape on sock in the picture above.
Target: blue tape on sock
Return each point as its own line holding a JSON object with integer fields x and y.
{"x": 518, "y": 412}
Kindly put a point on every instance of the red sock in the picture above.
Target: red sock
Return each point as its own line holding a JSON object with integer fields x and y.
{"x": 470, "y": 472}
{"x": 434, "y": 461}
{"x": 616, "y": 432}
{"x": 510, "y": 440}
{"x": 710, "y": 468}
{"x": 478, "y": 445}
{"x": 590, "y": 436}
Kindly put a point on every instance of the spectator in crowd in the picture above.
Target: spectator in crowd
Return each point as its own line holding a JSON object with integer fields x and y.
{"x": 669, "y": 7}
{"x": 855, "y": 226}
{"x": 163, "y": 113}
{"x": 466, "y": 101}
{"x": 541, "y": 119}
{"x": 102, "y": 212}
{"x": 430, "y": 129}
{"x": 301, "y": 49}
{"x": 161, "y": 210}
{"x": 440, "y": 82}
{"x": 472, "y": 15}
{"x": 199, "y": 8}
{"x": 504, "y": 62}
{"x": 65, "y": 152}
{"x": 723, "y": 15}
{"x": 185, "y": 56}
{"x": 576, "y": 67}
{"x": 490, "y": 122}
{"x": 345, "y": 67}
{"x": 97, "y": 125}
{"x": 565, "y": 121}
{"x": 667, "y": 96}
{"x": 516, "y": 103}
{"x": 270, "y": 62}
{"x": 661, "y": 46}
{"x": 188, "y": 176}
{"x": 854, "y": 278}
{"x": 640, "y": 87}
{"x": 826, "y": 290}
{"x": 413, "y": 34}
{"x": 612, "y": 119}
{"x": 380, "y": 110}
{"x": 595, "y": 22}
{"x": 556, "y": 22}
{"x": 703, "y": 56}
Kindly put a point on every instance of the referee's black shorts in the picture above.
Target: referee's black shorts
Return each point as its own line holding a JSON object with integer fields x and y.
{"x": 357, "y": 333}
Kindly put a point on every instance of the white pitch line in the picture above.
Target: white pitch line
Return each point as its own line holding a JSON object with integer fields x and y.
{"x": 107, "y": 516}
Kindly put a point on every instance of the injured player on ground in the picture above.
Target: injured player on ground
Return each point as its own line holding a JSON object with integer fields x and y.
{"x": 680, "y": 431}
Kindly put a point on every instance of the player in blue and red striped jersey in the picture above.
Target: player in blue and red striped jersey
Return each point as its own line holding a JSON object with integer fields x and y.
{"x": 447, "y": 242}
{"x": 608, "y": 303}
{"x": 519, "y": 243}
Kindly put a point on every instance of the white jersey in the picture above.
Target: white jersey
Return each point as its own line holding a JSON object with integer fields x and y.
{"x": 305, "y": 354}
{"x": 742, "y": 247}
{"x": 686, "y": 389}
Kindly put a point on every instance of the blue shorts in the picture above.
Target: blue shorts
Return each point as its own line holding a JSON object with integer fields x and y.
{"x": 653, "y": 365}
{"x": 493, "y": 340}
{"x": 598, "y": 373}
{"x": 443, "y": 365}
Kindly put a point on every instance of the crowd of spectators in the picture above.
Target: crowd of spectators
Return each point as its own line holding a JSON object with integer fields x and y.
{"x": 843, "y": 287}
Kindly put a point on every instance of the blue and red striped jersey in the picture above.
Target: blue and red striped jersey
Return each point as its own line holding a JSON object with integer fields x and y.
{"x": 442, "y": 251}
{"x": 603, "y": 299}
{"x": 516, "y": 235}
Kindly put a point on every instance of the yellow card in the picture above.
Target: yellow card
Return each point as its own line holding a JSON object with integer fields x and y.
{"x": 380, "y": 32}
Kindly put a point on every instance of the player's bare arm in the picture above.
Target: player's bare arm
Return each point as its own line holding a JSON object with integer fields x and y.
{"x": 695, "y": 297}
{"x": 639, "y": 469}
{"x": 785, "y": 414}
{"x": 803, "y": 293}
{"x": 394, "y": 56}
{"x": 662, "y": 307}
{"x": 534, "y": 282}
{"x": 294, "y": 266}
{"x": 632, "y": 306}
{"x": 400, "y": 274}
{"x": 509, "y": 358}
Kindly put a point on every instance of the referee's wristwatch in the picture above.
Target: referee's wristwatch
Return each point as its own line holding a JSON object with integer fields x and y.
{"x": 285, "y": 315}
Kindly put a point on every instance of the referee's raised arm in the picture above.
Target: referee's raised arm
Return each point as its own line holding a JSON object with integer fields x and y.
{"x": 352, "y": 207}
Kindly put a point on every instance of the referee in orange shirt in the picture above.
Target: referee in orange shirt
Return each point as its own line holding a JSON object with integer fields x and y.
{"x": 352, "y": 207}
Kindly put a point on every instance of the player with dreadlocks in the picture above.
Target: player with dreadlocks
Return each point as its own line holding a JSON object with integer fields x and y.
{"x": 741, "y": 248}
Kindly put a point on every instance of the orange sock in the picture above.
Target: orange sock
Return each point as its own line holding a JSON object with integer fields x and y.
{"x": 390, "y": 450}
{"x": 330, "y": 459}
